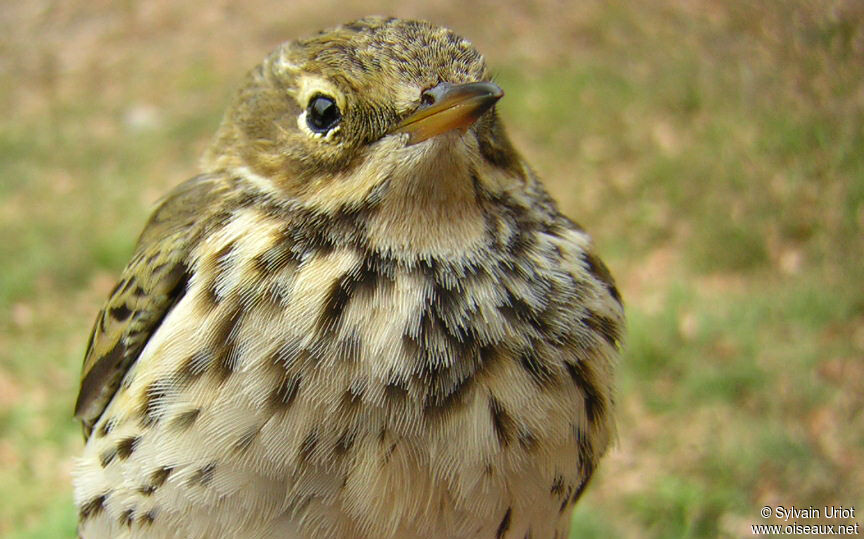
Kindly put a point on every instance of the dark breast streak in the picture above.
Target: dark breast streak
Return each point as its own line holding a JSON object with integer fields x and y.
{"x": 513, "y": 301}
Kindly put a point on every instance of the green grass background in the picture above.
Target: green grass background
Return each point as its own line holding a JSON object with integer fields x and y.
{"x": 715, "y": 149}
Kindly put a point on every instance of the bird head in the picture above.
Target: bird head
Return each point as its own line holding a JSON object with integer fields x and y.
{"x": 327, "y": 119}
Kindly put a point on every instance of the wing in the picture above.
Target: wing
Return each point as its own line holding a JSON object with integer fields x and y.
{"x": 150, "y": 285}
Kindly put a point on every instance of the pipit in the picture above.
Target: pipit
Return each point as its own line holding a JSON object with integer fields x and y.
{"x": 365, "y": 318}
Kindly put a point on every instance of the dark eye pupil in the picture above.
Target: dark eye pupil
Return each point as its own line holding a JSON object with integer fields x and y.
{"x": 322, "y": 114}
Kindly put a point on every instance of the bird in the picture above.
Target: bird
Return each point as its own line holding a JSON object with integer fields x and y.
{"x": 364, "y": 318}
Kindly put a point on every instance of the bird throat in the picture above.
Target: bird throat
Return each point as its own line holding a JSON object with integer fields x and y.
{"x": 429, "y": 208}
{"x": 419, "y": 201}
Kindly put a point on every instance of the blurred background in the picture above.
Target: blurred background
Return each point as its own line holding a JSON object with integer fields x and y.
{"x": 714, "y": 148}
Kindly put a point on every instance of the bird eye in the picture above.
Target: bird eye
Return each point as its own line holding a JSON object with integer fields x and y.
{"x": 322, "y": 114}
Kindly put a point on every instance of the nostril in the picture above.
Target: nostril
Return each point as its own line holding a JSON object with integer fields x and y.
{"x": 426, "y": 98}
{"x": 433, "y": 95}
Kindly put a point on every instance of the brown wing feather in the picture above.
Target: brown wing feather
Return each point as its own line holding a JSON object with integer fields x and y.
{"x": 151, "y": 284}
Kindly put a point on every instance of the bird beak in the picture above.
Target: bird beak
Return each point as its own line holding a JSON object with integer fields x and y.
{"x": 449, "y": 106}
